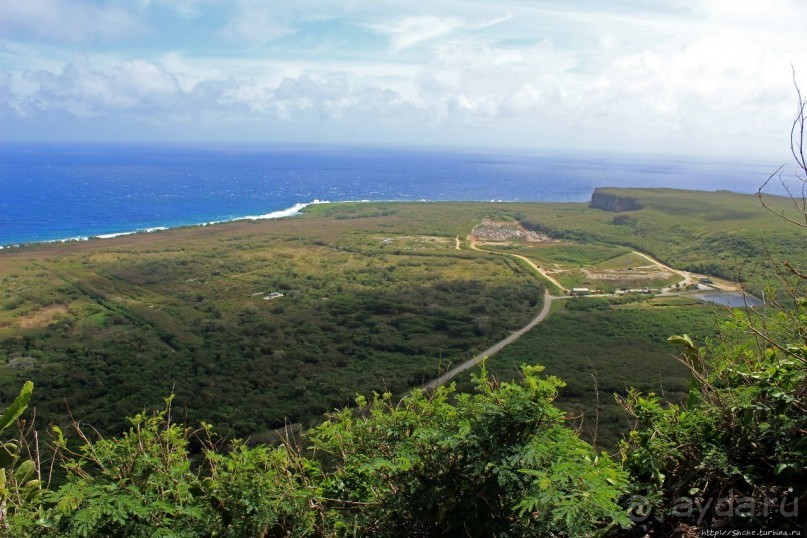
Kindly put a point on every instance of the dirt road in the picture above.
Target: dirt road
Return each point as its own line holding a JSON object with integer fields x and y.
{"x": 495, "y": 348}
{"x": 692, "y": 278}
{"x": 542, "y": 272}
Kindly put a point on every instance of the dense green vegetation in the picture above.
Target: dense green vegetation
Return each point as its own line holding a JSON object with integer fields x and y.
{"x": 718, "y": 233}
{"x": 733, "y": 455}
{"x": 500, "y": 461}
{"x": 111, "y": 326}
{"x": 571, "y": 345}
{"x": 376, "y": 297}
{"x": 575, "y": 255}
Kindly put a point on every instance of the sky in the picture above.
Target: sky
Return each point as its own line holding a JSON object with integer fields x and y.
{"x": 683, "y": 77}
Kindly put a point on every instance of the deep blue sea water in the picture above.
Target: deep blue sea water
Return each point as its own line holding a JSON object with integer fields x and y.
{"x": 50, "y": 192}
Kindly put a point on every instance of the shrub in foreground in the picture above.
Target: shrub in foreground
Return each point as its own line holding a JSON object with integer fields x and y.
{"x": 735, "y": 455}
{"x": 500, "y": 461}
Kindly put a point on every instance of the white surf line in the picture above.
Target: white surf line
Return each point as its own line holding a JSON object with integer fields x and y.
{"x": 495, "y": 348}
{"x": 292, "y": 211}
{"x": 288, "y": 212}
{"x": 121, "y": 234}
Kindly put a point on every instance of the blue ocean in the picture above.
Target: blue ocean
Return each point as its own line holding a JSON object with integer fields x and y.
{"x": 56, "y": 192}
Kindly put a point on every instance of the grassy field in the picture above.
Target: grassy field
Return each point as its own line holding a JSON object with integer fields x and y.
{"x": 716, "y": 233}
{"x": 600, "y": 267}
{"x": 375, "y": 296}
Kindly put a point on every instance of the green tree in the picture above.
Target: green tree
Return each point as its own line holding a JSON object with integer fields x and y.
{"x": 501, "y": 461}
{"x": 138, "y": 484}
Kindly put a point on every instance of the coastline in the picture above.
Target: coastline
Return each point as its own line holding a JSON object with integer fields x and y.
{"x": 78, "y": 193}
{"x": 292, "y": 211}
{"x": 296, "y": 209}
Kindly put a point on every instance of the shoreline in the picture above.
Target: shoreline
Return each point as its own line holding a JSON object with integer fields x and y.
{"x": 292, "y": 211}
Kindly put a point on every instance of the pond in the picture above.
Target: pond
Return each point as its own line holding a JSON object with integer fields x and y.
{"x": 732, "y": 299}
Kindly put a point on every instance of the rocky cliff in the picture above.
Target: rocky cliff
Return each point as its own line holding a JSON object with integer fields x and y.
{"x": 611, "y": 202}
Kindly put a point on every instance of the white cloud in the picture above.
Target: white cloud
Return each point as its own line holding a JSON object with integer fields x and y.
{"x": 698, "y": 75}
{"x": 718, "y": 87}
{"x": 312, "y": 97}
{"x": 148, "y": 92}
{"x": 474, "y": 83}
{"x": 493, "y": 22}
{"x": 6, "y": 93}
{"x": 256, "y": 23}
{"x": 84, "y": 91}
{"x": 188, "y": 9}
{"x": 66, "y": 21}
{"x": 410, "y": 31}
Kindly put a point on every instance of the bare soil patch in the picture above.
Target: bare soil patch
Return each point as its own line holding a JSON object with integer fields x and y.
{"x": 42, "y": 317}
{"x": 616, "y": 275}
{"x": 507, "y": 232}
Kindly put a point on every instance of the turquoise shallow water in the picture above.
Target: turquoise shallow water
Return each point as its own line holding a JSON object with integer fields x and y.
{"x": 51, "y": 192}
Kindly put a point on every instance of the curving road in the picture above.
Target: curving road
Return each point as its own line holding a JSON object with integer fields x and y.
{"x": 470, "y": 363}
{"x": 450, "y": 374}
{"x": 495, "y": 348}
{"x": 693, "y": 278}
{"x": 540, "y": 270}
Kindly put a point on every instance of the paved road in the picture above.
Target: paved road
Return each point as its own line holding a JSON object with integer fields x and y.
{"x": 444, "y": 378}
{"x": 495, "y": 348}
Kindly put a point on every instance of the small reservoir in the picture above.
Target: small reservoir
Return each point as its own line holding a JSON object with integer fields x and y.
{"x": 732, "y": 299}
